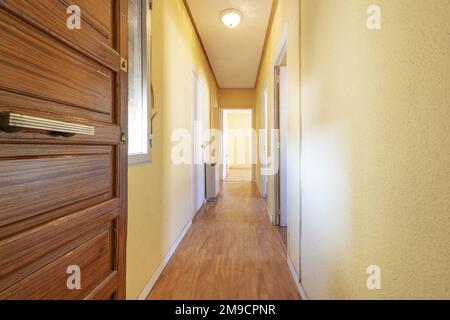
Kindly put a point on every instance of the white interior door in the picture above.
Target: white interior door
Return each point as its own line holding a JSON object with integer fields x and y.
{"x": 283, "y": 93}
{"x": 199, "y": 116}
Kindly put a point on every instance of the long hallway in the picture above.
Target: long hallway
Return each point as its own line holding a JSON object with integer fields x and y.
{"x": 232, "y": 251}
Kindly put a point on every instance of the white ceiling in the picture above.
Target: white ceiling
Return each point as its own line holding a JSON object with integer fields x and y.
{"x": 234, "y": 54}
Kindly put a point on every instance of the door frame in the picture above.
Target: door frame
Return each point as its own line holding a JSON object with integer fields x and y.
{"x": 121, "y": 46}
{"x": 276, "y": 188}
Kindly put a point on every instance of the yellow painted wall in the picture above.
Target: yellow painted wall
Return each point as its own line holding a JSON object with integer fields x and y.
{"x": 237, "y": 98}
{"x": 376, "y": 160}
{"x": 159, "y": 198}
{"x": 287, "y": 16}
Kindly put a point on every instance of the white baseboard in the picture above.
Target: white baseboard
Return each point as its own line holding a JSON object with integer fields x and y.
{"x": 269, "y": 213}
{"x": 150, "y": 284}
{"x": 296, "y": 278}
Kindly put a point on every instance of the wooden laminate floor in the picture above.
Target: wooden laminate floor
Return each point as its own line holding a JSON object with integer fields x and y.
{"x": 231, "y": 252}
{"x": 239, "y": 175}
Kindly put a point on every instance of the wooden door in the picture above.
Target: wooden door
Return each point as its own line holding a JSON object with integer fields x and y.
{"x": 63, "y": 154}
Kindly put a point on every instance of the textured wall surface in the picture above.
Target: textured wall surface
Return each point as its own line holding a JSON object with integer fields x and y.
{"x": 376, "y": 148}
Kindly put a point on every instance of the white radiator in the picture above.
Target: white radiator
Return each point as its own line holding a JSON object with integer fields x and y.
{"x": 212, "y": 181}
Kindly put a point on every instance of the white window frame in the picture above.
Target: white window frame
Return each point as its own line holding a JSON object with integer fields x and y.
{"x": 140, "y": 158}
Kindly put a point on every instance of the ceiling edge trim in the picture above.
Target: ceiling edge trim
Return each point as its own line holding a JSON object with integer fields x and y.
{"x": 266, "y": 39}
{"x": 191, "y": 18}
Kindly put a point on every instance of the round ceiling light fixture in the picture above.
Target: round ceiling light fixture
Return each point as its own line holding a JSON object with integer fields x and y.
{"x": 231, "y": 18}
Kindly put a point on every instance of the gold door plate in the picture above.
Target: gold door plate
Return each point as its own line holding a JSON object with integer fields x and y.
{"x": 123, "y": 64}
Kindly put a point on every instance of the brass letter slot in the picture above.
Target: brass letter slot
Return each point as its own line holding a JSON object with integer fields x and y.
{"x": 14, "y": 122}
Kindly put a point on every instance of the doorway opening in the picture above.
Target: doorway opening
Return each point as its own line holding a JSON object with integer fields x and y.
{"x": 281, "y": 123}
{"x": 238, "y": 144}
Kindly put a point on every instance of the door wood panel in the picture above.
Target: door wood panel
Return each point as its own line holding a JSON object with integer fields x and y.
{"x": 29, "y": 251}
{"x": 37, "y": 65}
{"x": 106, "y": 290}
{"x": 47, "y": 183}
{"x": 94, "y": 257}
{"x": 63, "y": 200}
{"x": 97, "y": 13}
{"x": 52, "y": 15}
